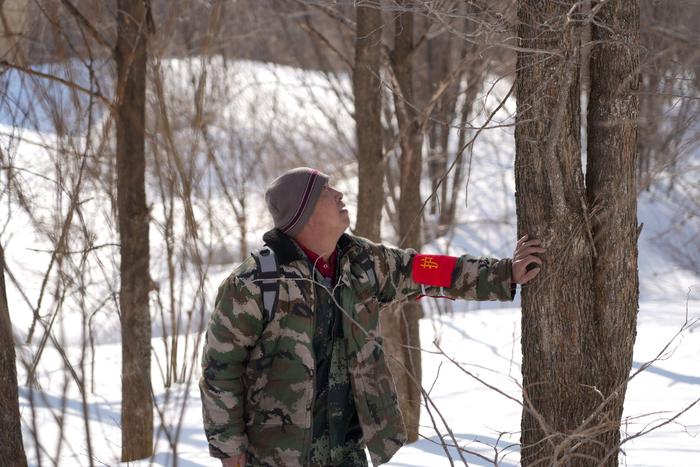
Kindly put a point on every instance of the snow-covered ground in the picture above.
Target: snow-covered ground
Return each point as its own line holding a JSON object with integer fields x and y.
{"x": 483, "y": 338}
{"x": 484, "y": 342}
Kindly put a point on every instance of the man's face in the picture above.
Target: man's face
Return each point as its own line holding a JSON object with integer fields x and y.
{"x": 330, "y": 215}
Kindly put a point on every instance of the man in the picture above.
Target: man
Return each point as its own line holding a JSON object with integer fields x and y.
{"x": 307, "y": 384}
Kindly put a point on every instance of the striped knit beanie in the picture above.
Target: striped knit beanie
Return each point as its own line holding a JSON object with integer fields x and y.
{"x": 292, "y": 196}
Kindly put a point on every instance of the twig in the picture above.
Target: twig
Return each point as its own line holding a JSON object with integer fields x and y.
{"x": 62, "y": 81}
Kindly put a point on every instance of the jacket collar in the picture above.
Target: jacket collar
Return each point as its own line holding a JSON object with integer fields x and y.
{"x": 288, "y": 251}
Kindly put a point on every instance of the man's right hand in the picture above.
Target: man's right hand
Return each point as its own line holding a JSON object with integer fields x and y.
{"x": 524, "y": 257}
{"x": 237, "y": 461}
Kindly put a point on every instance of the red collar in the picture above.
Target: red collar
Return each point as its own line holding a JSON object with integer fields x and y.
{"x": 326, "y": 268}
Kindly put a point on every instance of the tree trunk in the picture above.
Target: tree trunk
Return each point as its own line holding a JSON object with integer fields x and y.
{"x": 579, "y": 315}
{"x": 368, "y": 124}
{"x": 474, "y": 75}
{"x": 401, "y": 326}
{"x": 13, "y": 26}
{"x": 137, "y": 405}
{"x": 549, "y": 194}
{"x": 11, "y": 448}
{"x": 439, "y": 60}
{"x": 611, "y": 183}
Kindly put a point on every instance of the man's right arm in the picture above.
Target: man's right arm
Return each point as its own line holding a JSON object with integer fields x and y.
{"x": 471, "y": 278}
{"x": 233, "y": 329}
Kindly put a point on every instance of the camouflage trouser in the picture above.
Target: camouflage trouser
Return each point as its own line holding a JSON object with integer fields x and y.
{"x": 352, "y": 457}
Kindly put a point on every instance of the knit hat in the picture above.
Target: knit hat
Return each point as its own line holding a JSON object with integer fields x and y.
{"x": 292, "y": 197}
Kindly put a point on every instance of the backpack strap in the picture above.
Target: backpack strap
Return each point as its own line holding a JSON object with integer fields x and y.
{"x": 268, "y": 274}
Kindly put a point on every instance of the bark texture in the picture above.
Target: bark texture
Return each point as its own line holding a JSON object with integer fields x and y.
{"x": 611, "y": 183}
{"x": 549, "y": 191}
{"x": 137, "y": 404}
{"x": 368, "y": 124}
{"x": 400, "y": 327}
{"x": 579, "y": 315}
{"x": 13, "y": 26}
{"x": 11, "y": 448}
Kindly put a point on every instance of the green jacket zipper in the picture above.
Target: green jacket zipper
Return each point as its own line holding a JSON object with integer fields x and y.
{"x": 307, "y": 448}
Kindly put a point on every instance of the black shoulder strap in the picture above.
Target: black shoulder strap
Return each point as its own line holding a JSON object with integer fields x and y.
{"x": 267, "y": 274}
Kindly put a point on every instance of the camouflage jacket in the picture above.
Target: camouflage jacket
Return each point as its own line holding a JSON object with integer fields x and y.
{"x": 257, "y": 382}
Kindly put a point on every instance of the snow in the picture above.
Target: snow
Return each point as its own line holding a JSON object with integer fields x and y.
{"x": 483, "y": 337}
{"x": 485, "y": 342}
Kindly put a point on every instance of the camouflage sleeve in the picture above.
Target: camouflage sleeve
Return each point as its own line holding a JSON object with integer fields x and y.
{"x": 481, "y": 278}
{"x": 473, "y": 278}
{"x": 233, "y": 329}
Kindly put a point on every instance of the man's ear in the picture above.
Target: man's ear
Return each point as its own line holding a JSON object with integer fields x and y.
{"x": 310, "y": 223}
{"x": 312, "y": 218}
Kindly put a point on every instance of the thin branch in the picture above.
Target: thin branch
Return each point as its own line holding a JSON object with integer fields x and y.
{"x": 62, "y": 81}
{"x": 87, "y": 24}
{"x": 313, "y": 32}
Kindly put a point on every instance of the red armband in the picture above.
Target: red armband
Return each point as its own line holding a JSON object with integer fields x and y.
{"x": 434, "y": 270}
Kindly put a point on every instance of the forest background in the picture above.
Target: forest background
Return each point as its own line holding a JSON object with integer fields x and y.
{"x": 137, "y": 138}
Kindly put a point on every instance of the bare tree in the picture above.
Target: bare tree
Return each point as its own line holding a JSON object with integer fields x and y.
{"x": 367, "y": 91}
{"x": 137, "y": 404}
{"x": 611, "y": 188}
{"x": 405, "y": 328}
{"x": 11, "y": 447}
{"x": 549, "y": 195}
{"x": 12, "y": 28}
{"x": 207, "y": 165}
{"x": 579, "y": 318}
{"x": 464, "y": 69}
{"x": 668, "y": 87}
